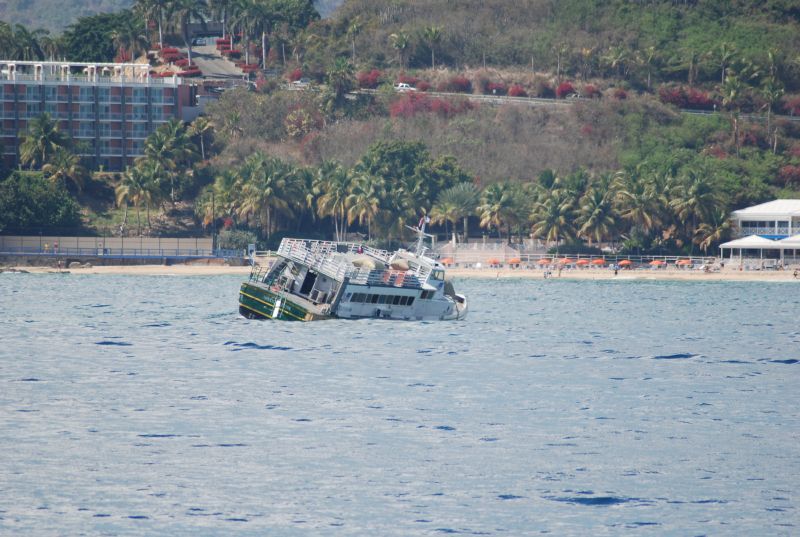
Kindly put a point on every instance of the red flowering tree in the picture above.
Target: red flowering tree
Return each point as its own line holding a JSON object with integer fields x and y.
{"x": 789, "y": 175}
{"x": 295, "y": 74}
{"x": 791, "y": 105}
{"x": 496, "y": 88}
{"x": 564, "y": 89}
{"x": 369, "y": 79}
{"x": 620, "y": 94}
{"x": 517, "y": 91}
{"x": 590, "y": 91}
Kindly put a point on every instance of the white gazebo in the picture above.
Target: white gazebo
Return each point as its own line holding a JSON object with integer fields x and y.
{"x": 775, "y": 219}
{"x": 790, "y": 244}
{"x": 752, "y": 242}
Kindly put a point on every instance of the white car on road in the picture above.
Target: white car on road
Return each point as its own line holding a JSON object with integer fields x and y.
{"x": 402, "y": 86}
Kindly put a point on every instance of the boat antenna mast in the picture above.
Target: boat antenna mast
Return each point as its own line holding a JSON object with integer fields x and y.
{"x": 419, "y": 249}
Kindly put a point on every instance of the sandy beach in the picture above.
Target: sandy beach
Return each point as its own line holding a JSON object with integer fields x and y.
{"x": 644, "y": 274}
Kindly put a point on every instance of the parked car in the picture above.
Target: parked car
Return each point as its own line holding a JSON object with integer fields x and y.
{"x": 402, "y": 86}
{"x": 301, "y": 83}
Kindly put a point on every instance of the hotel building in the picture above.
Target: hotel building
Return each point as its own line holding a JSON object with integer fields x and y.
{"x": 108, "y": 108}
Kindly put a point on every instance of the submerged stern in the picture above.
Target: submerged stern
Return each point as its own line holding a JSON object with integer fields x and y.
{"x": 258, "y": 301}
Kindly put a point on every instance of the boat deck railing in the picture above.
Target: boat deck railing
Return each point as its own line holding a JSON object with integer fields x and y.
{"x": 319, "y": 255}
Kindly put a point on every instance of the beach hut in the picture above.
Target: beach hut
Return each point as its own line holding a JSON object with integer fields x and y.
{"x": 752, "y": 243}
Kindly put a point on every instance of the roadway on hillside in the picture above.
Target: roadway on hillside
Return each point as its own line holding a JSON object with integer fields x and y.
{"x": 213, "y": 64}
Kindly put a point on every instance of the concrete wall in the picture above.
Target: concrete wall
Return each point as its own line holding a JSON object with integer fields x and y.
{"x": 109, "y": 245}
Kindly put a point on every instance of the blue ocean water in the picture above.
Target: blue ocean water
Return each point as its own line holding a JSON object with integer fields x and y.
{"x": 141, "y": 405}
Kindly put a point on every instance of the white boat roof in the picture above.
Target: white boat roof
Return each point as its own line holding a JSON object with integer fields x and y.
{"x": 752, "y": 241}
{"x": 771, "y": 209}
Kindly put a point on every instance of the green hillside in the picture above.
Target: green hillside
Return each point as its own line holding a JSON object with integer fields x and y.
{"x": 611, "y": 155}
{"x": 55, "y": 15}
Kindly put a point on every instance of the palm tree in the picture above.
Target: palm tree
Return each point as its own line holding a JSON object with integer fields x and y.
{"x": 647, "y": 58}
{"x": 724, "y": 56}
{"x": 133, "y": 189}
{"x": 267, "y": 190}
{"x": 364, "y": 200}
{"x": 499, "y": 205}
{"x": 432, "y": 36}
{"x": 772, "y": 91}
{"x": 731, "y": 93}
{"x": 340, "y": 78}
{"x": 552, "y": 217}
{"x": 617, "y": 58}
{"x": 171, "y": 147}
{"x": 400, "y": 42}
{"x": 695, "y": 198}
{"x": 65, "y": 166}
{"x": 129, "y": 40}
{"x": 463, "y": 199}
{"x": 716, "y": 230}
{"x": 41, "y": 141}
{"x": 153, "y": 10}
{"x": 597, "y": 215}
{"x": 200, "y": 128}
{"x": 184, "y": 12}
{"x": 637, "y": 199}
{"x": 333, "y": 183}
{"x": 353, "y": 29}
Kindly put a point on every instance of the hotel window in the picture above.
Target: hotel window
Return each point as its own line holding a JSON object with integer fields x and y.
{"x": 33, "y": 93}
{"x": 104, "y": 95}
{"x": 50, "y": 93}
{"x": 157, "y": 95}
{"x": 139, "y": 112}
{"x": 86, "y": 94}
{"x": 105, "y": 111}
{"x": 139, "y": 95}
{"x": 86, "y": 111}
{"x": 51, "y": 108}
{"x": 33, "y": 110}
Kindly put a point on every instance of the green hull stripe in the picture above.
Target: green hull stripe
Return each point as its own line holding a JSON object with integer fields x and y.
{"x": 288, "y": 310}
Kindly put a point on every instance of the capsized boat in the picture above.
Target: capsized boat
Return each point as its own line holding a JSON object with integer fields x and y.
{"x": 313, "y": 280}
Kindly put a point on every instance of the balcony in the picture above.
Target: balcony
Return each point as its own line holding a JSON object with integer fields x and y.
{"x": 110, "y": 116}
{"x": 111, "y": 134}
{"x": 136, "y": 117}
{"x": 110, "y": 151}
{"x": 746, "y": 231}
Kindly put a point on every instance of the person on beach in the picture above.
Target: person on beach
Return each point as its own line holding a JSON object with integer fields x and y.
{"x": 796, "y": 273}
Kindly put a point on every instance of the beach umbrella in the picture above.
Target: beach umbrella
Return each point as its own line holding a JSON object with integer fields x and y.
{"x": 565, "y": 261}
{"x": 544, "y": 261}
{"x": 447, "y": 261}
{"x": 493, "y": 261}
{"x": 683, "y": 262}
{"x": 514, "y": 261}
{"x": 598, "y": 261}
{"x": 625, "y": 263}
{"x": 582, "y": 262}
{"x": 656, "y": 263}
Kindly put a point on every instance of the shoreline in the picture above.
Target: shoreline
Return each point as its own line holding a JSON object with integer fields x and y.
{"x": 483, "y": 273}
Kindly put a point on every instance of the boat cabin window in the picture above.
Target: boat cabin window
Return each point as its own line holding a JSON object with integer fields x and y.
{"x": 437, "y": 275}
{"x": 427, "y": 295}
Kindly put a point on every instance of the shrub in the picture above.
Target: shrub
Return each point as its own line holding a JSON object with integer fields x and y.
{"x": 411, "y": 104}
{"x": 564, "y": 89}
{"x": 235, "y": 239}
{"x": 620, "y": 94}
{"x": 408, "y": 79}
{"x": 496, "y": 88}
{"x": 423, "y": 85}
{"x": 517, "y": 91}
{"x": 791, "y": 105}
{"x": 369, "y": 79}
{"x": 590, "y": 91}
{"x": 683, "y": 97}
{"x": 544, "y": 90}
{"x": 295, "y": 74}
{"x": 789, "y": 174}
{"x": 460, "y": 84}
